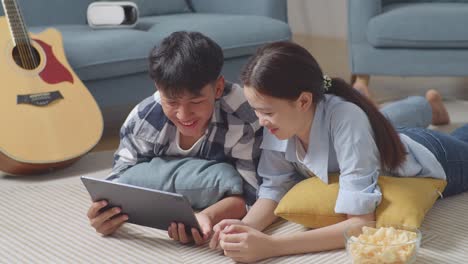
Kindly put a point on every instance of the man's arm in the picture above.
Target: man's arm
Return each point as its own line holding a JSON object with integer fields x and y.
{"x": 132, "y": 150}
{"x": 232, "y": 207}
{"x": 246, "y": 153}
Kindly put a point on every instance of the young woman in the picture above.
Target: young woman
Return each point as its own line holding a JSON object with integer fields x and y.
{"x": 316, "y": 125}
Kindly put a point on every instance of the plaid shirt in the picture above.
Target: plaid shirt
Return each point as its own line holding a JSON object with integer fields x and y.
{"x": 233, "y": 135}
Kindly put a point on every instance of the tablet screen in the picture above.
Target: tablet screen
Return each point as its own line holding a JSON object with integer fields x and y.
{"x": 146, "y": 207}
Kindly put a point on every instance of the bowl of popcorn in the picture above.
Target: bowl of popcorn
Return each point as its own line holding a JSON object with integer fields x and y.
{"x": 366, "y": 243}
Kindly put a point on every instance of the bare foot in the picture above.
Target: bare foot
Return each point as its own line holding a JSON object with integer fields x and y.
{"x": 440, "y": 115}
{"x": 362, "y": 87}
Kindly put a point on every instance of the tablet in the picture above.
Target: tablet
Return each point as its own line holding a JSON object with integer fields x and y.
{"x": 146, "y": 207}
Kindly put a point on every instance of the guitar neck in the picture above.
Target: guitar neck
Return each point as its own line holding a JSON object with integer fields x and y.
{"x": 16, "y": 23}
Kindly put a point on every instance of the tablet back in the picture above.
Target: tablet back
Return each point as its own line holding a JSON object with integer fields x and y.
{"x": 143, "y": 206}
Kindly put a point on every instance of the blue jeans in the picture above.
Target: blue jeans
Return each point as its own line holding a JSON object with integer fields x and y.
{"x": 451, "y": 150}
{"x": 413, "y": 111}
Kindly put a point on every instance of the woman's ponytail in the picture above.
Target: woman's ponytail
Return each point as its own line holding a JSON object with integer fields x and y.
{"x": 392, "y": 151}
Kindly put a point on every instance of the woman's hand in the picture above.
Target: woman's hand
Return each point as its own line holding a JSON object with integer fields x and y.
{"x": 220, "y": 227}
{"x": 177, "y": 232}
{"x": 246, "y": 244}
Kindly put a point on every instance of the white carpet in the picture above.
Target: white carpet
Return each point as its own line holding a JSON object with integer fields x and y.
{"x": 43, "y": 220}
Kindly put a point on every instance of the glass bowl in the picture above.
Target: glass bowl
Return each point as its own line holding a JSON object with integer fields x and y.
{"x": 366, "y": 244}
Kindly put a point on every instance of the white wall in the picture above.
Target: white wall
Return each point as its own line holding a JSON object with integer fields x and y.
{"x": 322, "y": 18}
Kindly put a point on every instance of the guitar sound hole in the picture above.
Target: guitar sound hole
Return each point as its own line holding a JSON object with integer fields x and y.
{"x": 26, "y": 56}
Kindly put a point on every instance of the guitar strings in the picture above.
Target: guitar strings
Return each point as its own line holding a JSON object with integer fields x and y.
{"x": 18, "y": 38}
{"x": 26, "y": 35}
{"x": 21, "y": 39}
{"x": 12, "y": 21}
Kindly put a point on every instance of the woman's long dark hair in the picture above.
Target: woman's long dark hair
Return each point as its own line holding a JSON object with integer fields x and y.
{"x": 284, "y": 70}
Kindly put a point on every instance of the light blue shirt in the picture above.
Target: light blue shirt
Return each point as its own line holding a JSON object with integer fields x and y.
{"x": 341, "y": 140}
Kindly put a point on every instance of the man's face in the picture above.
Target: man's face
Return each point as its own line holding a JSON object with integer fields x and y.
{"x": 191, "y": 113}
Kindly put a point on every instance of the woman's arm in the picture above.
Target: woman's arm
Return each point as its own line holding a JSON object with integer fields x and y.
{"x": 278, "y": 177}
{"x": 246, "y": 244}
{"x": 261, "y": 214}
{"x": 321, "y": 239}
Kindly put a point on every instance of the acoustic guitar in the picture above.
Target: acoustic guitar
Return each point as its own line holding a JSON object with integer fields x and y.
{"x": 48, "y": 118}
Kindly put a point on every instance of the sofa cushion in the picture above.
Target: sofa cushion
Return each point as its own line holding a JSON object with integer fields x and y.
{"x": 238, "y": 35}
{"x": 160, "y": 7}
{"x": 388, "y": 2}
{"x": 104, "y": 53}
{"x": 74, "y": 12}
{"x": 52, "y": 12}
{"x": 421, "y": 25}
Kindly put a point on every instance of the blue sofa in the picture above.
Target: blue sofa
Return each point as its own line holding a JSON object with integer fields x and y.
{"x": 112, "y": 63}
{"x": 408, "y": 37}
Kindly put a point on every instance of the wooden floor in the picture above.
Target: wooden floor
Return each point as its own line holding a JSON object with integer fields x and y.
{"x": 107, "y": 142}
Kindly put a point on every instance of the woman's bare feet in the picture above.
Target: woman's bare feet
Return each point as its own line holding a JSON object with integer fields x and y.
{"x": 362, "y": 87}
{"x": 440, "y": 115}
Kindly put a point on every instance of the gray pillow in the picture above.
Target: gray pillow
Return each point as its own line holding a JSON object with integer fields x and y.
{"x": 202, "y": 182}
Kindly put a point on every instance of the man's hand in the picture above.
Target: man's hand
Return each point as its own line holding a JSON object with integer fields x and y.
{"x": 177, "y": 231}
{"x": 105, "y": 222}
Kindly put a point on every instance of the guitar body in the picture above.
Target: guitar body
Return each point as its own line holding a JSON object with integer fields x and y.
{"x": 48, "y": 117}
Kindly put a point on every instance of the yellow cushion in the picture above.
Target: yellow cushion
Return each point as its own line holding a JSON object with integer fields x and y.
{"x": 405, "y": 201}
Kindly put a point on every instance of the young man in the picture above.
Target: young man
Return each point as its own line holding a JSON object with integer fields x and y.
{"x": 194, "y": 113}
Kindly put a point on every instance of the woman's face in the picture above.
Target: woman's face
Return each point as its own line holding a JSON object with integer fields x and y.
{"x": 283, "y": 118}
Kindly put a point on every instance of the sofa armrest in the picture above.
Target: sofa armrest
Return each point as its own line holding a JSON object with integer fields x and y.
{"x": 276, "y": 9}
{"x": 359, "y": 14}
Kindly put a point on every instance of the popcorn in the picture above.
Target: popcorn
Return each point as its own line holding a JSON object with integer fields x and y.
{"x": 383, "y": 245}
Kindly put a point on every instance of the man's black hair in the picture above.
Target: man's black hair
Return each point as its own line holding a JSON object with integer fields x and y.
{"x": 185, "y": 62}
